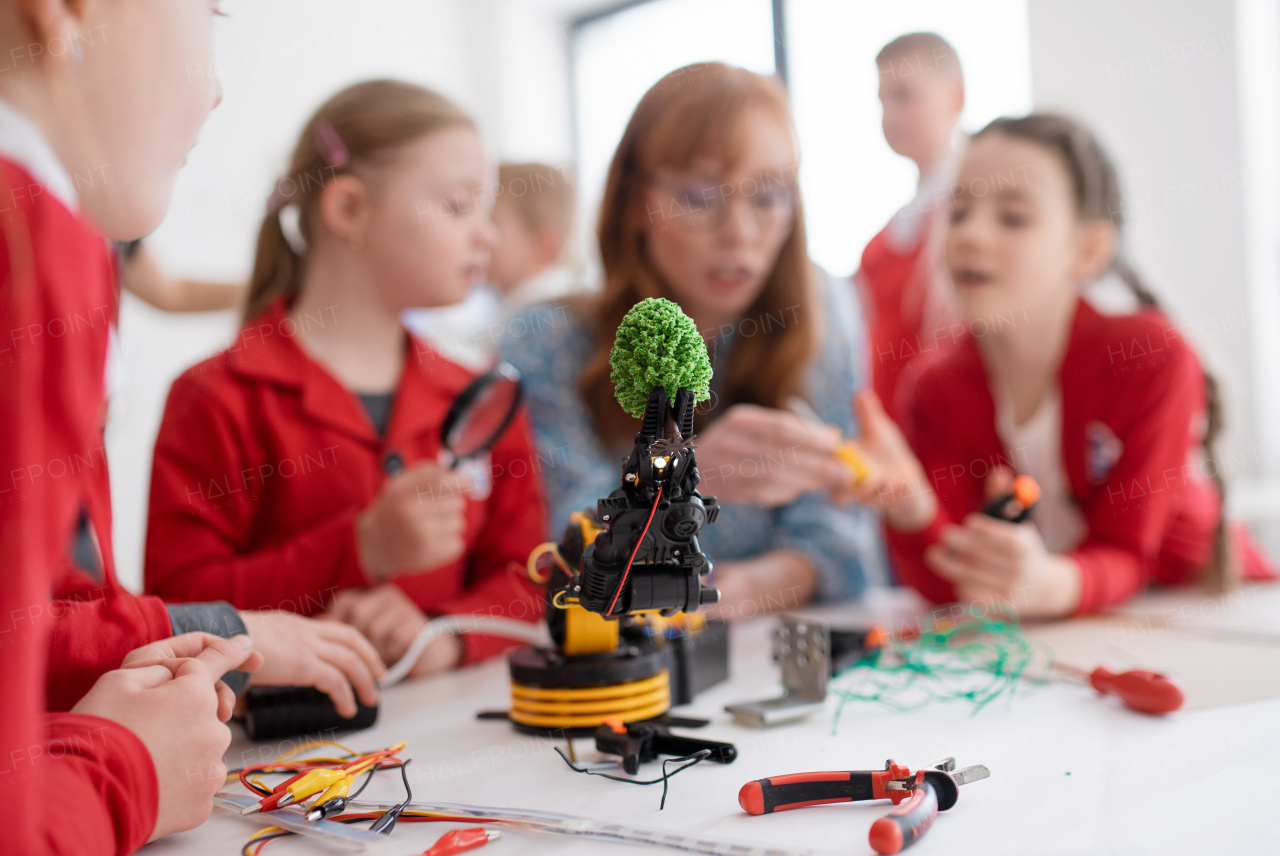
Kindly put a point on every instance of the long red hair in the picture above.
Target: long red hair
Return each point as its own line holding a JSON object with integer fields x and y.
{"x": 694, "y": 113}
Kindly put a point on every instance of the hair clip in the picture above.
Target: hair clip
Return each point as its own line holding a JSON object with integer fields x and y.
{"x": 281, "y": 196}
{"x": 332, "y": 150}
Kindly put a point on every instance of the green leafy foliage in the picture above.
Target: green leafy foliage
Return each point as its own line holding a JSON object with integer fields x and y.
{"x": 658, "y": 346}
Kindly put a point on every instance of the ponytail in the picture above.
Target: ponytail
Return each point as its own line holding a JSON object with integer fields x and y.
{"x": 277, "y": 268}
{"x": 358, "y": 124}
{"x": 1096, "y": 187}
{"x": 1220, "y": 574}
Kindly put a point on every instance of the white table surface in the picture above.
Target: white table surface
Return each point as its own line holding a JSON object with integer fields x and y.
{"x": 1070, "y": 773}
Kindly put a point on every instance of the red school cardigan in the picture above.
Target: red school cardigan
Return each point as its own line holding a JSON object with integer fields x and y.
{"x": 264, "y": 460}
{"x": 1133, "y": 401}
{"x": 56, "y": 300}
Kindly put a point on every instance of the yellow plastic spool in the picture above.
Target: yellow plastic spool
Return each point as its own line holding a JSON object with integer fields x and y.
{"x": 588, "y": 707}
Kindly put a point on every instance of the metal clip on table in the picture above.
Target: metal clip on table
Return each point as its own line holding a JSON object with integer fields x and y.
{"x": 809, "y": 653}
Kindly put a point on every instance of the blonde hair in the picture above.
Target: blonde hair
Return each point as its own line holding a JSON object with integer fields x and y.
{"x": 360, "y": 123}
{"x": 543, "y": 195}
{"x": 940, "y": 58}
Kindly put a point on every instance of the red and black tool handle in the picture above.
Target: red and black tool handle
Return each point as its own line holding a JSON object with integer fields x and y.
{"x": 779, "y": 793}
{"x": 1015, "y": 506}
{"x": 905, "y": 825}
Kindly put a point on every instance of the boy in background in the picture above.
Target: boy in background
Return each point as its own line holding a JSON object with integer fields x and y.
{"x": 906, "y": 301}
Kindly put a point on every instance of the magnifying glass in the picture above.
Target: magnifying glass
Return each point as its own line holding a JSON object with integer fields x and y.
{"x": 476, "y": 418}
{"x": 480, "y": 413}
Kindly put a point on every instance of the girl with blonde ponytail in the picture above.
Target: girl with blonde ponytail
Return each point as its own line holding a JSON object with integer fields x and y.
{"x": 302, "y": 469}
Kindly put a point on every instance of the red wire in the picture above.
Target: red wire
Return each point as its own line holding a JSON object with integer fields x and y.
{"x": 244, "y": 780}
{"x": 627, "y": 570}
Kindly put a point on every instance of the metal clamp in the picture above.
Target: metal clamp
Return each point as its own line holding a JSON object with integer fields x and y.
{"x": 803, "y": 649}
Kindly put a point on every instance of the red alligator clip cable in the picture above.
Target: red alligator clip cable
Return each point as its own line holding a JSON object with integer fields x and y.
{"x": 458, "y": 840}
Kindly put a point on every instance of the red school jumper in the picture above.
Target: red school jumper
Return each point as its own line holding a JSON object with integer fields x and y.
{"x": 1132, "y": 403}
{"x": 56, "y": 300}
{"x": 264, "y": 460}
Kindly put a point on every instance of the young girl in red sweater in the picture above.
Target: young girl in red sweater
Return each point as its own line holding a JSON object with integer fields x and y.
{"x": 1089, "y": 389}
{"x": 299, "y": 469}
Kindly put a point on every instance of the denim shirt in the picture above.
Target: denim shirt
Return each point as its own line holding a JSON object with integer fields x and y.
{"x": 842, "y": 542}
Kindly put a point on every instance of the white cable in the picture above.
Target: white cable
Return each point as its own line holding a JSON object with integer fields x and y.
{"x": 534, "y": 634}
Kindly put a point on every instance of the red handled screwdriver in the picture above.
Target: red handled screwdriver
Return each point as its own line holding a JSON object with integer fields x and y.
{"x": 1148, "y": 692}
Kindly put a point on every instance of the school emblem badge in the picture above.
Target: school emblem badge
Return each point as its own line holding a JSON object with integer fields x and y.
{"x": 1102, "y": 449}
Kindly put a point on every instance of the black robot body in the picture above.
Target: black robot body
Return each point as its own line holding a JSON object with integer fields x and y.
{"x": 648, "y": 556}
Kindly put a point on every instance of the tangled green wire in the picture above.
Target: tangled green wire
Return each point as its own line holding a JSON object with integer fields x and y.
{"x": 976, "y": 659}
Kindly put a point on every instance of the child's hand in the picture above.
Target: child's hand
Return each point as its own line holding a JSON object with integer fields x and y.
{"x": 201, "y": 646}
{"x": 172, "y": 706}
{"x": 416, "y": 523}
{"x": 764, "y": 456}
{"x": 997, "y": 561}
{"x": 897, "y": 483}
{"x": 391, "y": 621}
{"x": 304, "y": 652}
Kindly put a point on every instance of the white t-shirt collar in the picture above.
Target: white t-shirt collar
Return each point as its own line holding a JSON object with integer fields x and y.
{"x": 22, "y": 142}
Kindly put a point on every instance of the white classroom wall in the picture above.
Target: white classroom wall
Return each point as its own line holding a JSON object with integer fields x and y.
{"x": 1186, "y": 95}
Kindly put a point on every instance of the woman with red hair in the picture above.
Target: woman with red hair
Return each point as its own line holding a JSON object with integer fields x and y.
{"x": 701, "y": 207}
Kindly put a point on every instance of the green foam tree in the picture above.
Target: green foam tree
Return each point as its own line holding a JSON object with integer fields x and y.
{"x": 658, "y": 346}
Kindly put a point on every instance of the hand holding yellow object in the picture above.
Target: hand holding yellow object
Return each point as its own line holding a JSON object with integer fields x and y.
{"x": 851, "y": 455}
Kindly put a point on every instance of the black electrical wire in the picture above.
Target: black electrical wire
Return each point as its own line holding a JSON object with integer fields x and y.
{"x": 694, "y": 758}
{"x": 367, "y": 780}
{"x": 387, "y": 822}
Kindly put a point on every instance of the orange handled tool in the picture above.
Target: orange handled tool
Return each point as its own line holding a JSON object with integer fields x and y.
{"x": 1149, "y": 692}
{"x": 797, "y": 790}
{"x": 904, "y": 826}
{"x": 1138, "y": 689}
{"x": 894, "y": 782}
{"x": 1015, "y": 506}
